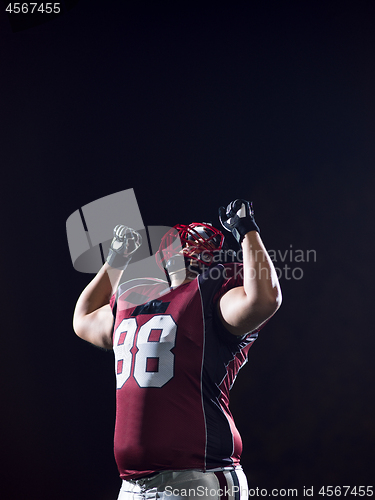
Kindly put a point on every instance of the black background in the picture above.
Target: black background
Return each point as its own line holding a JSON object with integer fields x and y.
{"x": 192, "y": 105}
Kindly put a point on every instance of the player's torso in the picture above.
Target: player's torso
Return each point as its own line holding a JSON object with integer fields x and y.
{"x": 169, "y": 367}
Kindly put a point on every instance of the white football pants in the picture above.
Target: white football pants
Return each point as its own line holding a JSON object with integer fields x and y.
{"x": 216, "y": 484}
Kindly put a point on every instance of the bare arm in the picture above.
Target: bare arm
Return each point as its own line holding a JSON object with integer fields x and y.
{"x": 93, "y": 318}
{"x": 243, "y": 309}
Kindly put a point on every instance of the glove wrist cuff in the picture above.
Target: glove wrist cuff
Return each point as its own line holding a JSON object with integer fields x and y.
{"x": 117, "y": 260}
{"x": 243, "y": 227}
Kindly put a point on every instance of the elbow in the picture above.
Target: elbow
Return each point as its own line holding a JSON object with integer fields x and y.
{"x": 81, "y": 323}
{"x": 258, "y": 313}
{"x": 276, "y": 300}
{"x": 267, "y": 306}
{"x": 266, "y": 298}
{"x": 273, "y": 303}
{"x": 78, "y": 326}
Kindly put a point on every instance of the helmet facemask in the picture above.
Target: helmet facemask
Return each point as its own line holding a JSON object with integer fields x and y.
{"x": 189, "y": 247}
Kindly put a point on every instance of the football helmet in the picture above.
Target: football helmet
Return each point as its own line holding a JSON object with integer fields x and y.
{"x": 197, "y": 241}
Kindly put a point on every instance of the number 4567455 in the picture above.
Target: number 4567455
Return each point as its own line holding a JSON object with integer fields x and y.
{"x": 346, "y": 490}
{"x": 33, "y": 7}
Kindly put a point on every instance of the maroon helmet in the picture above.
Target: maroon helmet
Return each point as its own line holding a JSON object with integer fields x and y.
{"x": 197, "y": 241}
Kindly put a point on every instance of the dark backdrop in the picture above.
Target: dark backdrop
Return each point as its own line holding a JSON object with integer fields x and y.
{"x": 192, "y": 105}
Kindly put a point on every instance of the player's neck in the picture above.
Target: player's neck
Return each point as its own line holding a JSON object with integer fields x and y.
{"x": 181, "y": 277}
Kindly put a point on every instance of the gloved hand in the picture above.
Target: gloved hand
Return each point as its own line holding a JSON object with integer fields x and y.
{"x": 238, "y": 218}
{"x": 125, "y": 242}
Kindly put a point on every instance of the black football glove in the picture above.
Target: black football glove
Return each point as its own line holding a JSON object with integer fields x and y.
{"x": 125, "y": 242}
{"x": 238, "y": 218}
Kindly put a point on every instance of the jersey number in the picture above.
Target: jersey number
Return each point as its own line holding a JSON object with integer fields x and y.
{"x": 151, "y": 359}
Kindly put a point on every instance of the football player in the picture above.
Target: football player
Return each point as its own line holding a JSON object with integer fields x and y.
{"x": 178, "y": 347}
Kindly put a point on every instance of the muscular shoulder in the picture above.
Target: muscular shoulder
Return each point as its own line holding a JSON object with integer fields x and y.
{"x": 226, "y": 276}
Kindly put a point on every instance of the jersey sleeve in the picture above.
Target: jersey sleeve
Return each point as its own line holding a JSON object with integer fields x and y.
{"x": 233, "y": 277}
{"x": 112, "y": 302}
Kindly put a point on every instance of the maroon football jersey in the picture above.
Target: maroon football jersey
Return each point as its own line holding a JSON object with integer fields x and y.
{"x": 175, "y": 365}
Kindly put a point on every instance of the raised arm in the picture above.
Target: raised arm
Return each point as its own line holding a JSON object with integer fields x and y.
{"x": 93, "y": 318}
{"x": 243, "y": 309}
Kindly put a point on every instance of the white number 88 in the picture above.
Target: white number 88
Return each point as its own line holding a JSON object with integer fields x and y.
{"x": 158, "y": 350}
